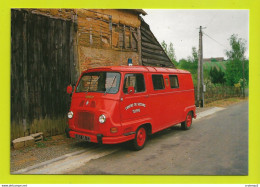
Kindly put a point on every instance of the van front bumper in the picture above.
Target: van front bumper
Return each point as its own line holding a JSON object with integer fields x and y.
{"x": 103, "y": 139}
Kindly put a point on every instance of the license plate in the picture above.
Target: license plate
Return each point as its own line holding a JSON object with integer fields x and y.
{"x": 81, "y": 137}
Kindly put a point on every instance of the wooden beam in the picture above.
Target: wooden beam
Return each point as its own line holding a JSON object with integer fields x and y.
{"x": 147, "y": 32}
{"x": 150, "y": 46}
{"x": 139, "y": 46}
{"x": 124, "y": 40}
{"x": 154, "y": 61}
{"x": 152, "y": 56}
{"x": 135, "y": 36}
{"x": 153, "y": 51}
{"x": 149, "y": 38}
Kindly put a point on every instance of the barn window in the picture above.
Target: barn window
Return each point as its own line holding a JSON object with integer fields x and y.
{"x": 126, "y": 38}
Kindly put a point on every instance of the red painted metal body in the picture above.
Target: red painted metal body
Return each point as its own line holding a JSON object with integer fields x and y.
{"x": 125, "y": 112}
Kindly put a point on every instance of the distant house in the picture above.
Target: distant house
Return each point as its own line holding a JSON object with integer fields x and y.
{"x": 51, "y": 47}
{"x": 214, "y": 59}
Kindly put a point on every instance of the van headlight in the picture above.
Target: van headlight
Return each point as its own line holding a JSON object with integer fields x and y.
{"x": 70, "y": 114}
{"x": 102, "y": 118}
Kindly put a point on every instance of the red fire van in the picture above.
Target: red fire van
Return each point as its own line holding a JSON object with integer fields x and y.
{"x": 116, "y": 104}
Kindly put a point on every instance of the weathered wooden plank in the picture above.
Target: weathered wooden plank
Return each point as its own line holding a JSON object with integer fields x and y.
{"x": 135, "y": 36}
{"x": 156, "y": 62}
{"x": 139, "y": 46}
{"x": 153, "y": 61}
{"x": 144, "y": 39}
{"x": 25, "y": 72}
{"x": 153, "y": 51}
{"x": 41, "y": 52}
{"x": 154, "y": 56}
{"x": 147, "y": 32}
{"x": 149, "y": 39}
{"x": 150, "y": 46}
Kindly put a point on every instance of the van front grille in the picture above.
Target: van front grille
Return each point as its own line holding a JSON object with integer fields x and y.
{"x": 85, "y": 120}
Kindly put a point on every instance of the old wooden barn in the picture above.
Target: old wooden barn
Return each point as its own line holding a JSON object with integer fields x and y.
{"x": 51, "y": 47}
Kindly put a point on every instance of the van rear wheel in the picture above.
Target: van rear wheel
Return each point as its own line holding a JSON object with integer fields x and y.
{"x": 188, "y": 122}
{"x": 140, "y": 138}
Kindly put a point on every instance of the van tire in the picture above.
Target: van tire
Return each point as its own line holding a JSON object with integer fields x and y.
{"x": 188, "y": 122}
{"x": 140, "y": 139}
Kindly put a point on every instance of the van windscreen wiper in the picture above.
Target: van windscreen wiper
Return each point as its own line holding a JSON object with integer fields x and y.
{"x": 107, "y": 90}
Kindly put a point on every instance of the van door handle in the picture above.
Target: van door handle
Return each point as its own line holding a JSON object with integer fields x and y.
{"x": 146, "y": 96}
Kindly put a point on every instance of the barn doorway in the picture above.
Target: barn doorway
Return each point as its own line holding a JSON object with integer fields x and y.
{"x": 42, "y": 65}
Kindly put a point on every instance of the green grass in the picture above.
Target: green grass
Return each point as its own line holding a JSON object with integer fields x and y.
{"x": 47, "y": 138}
{"x": 40, "y": 144}
{"x": 225, "y": 102}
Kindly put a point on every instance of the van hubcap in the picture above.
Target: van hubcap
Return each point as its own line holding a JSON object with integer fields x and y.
{"x": 141, "y": 136}
{"x": 189, "y": 120}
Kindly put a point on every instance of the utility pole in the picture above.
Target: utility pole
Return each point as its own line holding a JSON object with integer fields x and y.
{"x": 243, "y": 78}
{"x": 200, "y": 84}
{"x": 198, "y": 81}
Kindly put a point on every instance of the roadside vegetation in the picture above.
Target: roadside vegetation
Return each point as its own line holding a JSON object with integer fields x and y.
{"x": 223, "y": 79}
{"x": 226, "y": 102}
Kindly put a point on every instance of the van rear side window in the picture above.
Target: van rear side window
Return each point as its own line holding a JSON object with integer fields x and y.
{"x": 174, "y": 81}
{"x": 136, "y": 80}
{"x": 158, "y": 83}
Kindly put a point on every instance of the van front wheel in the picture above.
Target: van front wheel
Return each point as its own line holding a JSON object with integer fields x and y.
{"x": 140, "y": 138}
{"x": 188, "y": 122}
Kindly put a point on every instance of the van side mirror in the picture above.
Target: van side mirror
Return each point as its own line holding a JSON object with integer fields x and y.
{"x": 69, "y": 89}
{"x": 130, "y": 90}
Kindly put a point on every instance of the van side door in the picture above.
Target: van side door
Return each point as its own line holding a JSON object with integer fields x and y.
{"x": 175, "y": 99}
{"x": 133, "y": 105}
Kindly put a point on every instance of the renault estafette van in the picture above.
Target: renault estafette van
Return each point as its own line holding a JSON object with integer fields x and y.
{"x": 116, "y": 104}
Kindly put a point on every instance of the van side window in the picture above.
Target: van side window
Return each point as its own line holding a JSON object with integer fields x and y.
{"x": 174, "y": 81}
{"x": 158, "y": 83}
{"x": 136, "y": 80}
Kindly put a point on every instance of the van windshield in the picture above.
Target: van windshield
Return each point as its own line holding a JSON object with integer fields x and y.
{"x": 107, "y": 82}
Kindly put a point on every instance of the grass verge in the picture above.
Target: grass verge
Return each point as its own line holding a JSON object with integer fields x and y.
{"x": 226, "y": 102}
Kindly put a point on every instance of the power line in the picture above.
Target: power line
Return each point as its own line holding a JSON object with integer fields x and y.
{"x": 215, "y": 40}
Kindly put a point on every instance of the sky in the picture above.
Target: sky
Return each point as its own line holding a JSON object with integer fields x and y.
{"x": 181, "y": 28}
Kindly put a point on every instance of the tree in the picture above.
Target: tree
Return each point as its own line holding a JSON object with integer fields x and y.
{"x": 234, "y": 72}
{"x": 164, "y": 46}
{"x": 238, "y": 48}
{"x": 194, "y": 60}
{"x": 171, "y": 53}
{"x": 169, "y": 50}
{"x": 217, "y": 76}
{"x": 184, "y": 64}
{"x": 190, "y": 64}
{"x": 236, "y": 60}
